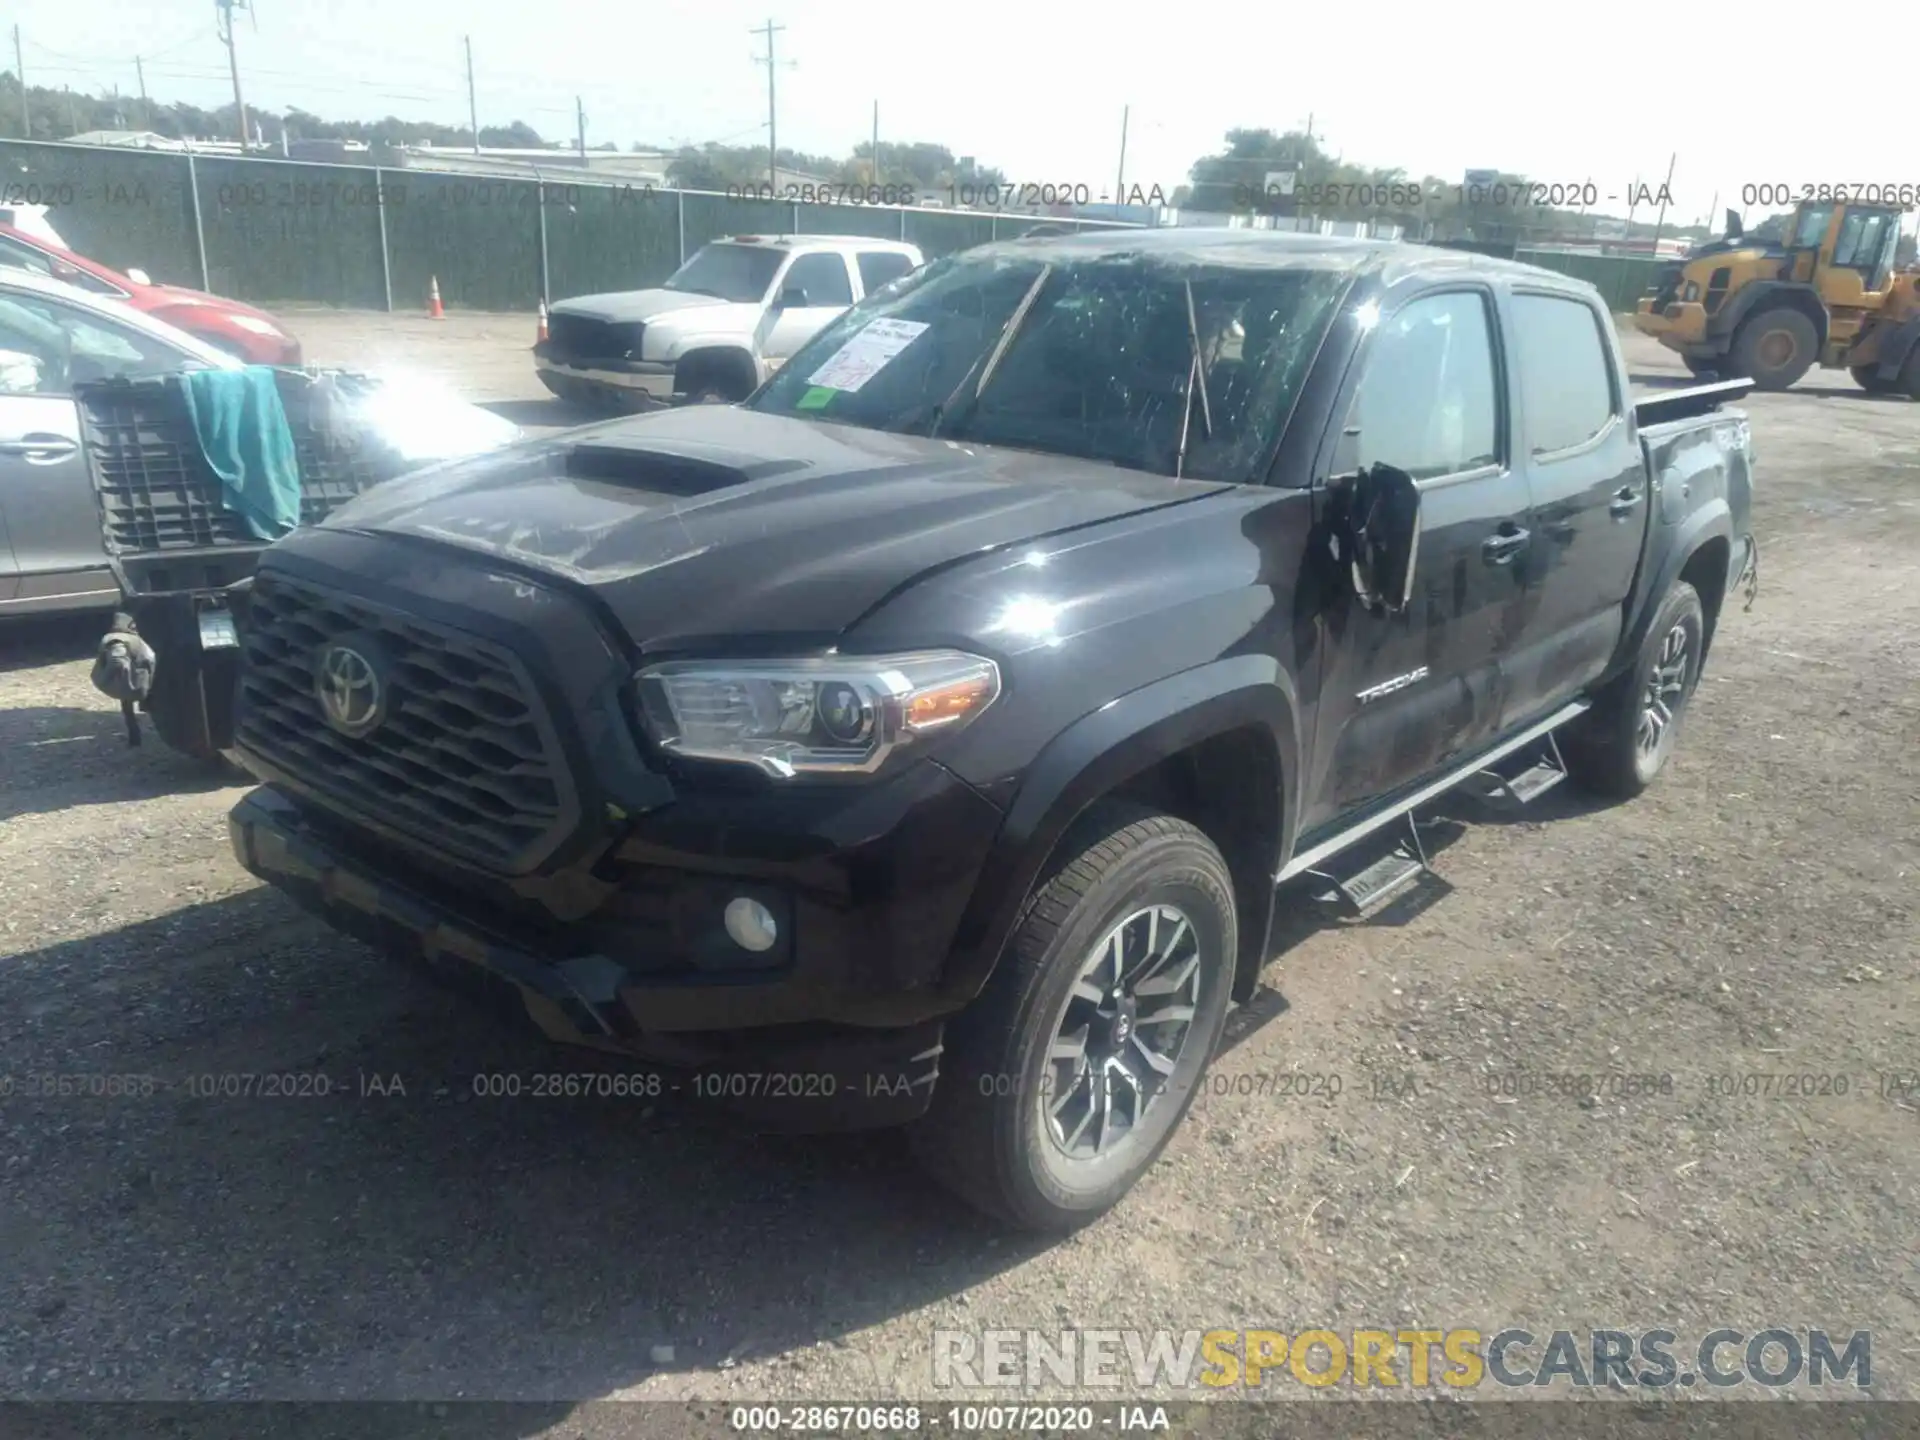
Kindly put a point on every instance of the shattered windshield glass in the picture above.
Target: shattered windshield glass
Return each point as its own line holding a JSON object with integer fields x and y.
{"x": 1167, "y": 366}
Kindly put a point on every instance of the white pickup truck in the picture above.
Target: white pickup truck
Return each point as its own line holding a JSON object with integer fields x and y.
{"x": 720, "y": 325}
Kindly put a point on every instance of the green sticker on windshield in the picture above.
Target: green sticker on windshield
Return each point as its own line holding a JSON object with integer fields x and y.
{"x": 817, "y": 398}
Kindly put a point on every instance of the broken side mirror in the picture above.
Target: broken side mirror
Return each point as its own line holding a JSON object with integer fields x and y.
{"x": 1380, "y": 518}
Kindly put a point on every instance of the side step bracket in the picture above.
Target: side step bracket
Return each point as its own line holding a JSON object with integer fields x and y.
{"x": 1522, "y": 787}
{"x": 1380, "y": 883}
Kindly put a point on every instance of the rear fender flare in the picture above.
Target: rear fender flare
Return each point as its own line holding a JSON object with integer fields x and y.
{"x": 1102, "y": 751}
{"x": 1711, "y": 521}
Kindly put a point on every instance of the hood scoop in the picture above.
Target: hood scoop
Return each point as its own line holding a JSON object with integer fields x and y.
{"x": 672, "y": 470}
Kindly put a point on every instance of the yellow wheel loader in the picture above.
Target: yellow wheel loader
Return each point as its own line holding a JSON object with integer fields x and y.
{"x": 1824, "y": 293}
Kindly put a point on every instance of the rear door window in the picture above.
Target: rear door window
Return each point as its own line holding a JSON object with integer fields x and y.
{"x": 822, "y": 278}
{"x": 879, "y": 268}
{"x": 1567, "y": 380}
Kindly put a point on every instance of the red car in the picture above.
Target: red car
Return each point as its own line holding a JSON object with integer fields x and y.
{"x": 241, "y": 330}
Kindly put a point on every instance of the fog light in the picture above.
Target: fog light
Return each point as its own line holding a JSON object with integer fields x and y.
{"x": 751, "y": 924}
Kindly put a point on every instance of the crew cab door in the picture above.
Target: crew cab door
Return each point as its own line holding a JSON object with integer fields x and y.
{"x": 813, "y": 290}
{"x": 1588, "y": 486}
{"x": 1401, "y": 694}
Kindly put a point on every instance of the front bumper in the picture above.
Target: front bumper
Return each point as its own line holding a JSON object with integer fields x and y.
{"x": 642, "y": 381}
{"x": 796, "y": 1077}
{"x": 1680, "y": 324}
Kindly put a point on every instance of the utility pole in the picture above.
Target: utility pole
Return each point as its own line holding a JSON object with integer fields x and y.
{"x": 1661, "y": 222}
{"x": 73, "y": 121}
{"x": 580, "y": 125}
{"x": 146, "y": 105}
{"x": 225, "y": 9}
{"x": 1120, "y": 177}
{"x": 873, "y": 159}
{"x": 20, "y": 69}
{"x": 767, "y": 32}
{"x": 473, "y": 109}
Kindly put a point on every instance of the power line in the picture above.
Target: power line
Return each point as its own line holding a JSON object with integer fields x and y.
{"x": 117, "y": 61}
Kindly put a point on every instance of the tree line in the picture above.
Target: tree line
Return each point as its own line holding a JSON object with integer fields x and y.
{"x": 1234, "y": 179}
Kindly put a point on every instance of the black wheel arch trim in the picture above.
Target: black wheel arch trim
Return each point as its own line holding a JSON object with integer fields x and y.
{"x": 1097, "y": 755}
{"x": 1766, "y": 294}
{"x": 726, "y": 358}
{"x": 1712, "y": 521}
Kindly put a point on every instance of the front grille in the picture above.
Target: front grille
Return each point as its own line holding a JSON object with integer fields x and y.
{"x": 465, "y": 759}
{"x": 157, "y": 491}
{"x": 581, "y": 337}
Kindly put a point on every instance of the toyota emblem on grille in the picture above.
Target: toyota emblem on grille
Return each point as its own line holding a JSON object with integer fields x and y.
{"x": 352, "y": 696}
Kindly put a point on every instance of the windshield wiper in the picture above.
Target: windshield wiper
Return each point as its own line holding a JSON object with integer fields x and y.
{"x": 1196, "y": 379}
{"x": 1000, "y": 345}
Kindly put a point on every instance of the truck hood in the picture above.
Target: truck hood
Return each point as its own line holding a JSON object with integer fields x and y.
{"x": 623, "y": 306}
{"x": 712, "y": 521}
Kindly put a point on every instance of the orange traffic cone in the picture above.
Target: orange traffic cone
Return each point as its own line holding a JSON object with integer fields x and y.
{"x": 541, "y": 334}
{"x": 434, "y": 312}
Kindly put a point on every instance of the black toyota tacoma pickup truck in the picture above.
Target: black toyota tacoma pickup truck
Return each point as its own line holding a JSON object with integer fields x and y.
{"x": 924, "y": 740}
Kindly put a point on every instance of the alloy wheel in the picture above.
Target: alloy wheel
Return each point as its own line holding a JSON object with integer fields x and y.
{"x": 1120, "y": 1035}
{"x": 1666, "y": 691}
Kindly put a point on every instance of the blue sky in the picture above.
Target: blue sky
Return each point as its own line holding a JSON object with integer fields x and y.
{"x": 1530, "y": 89}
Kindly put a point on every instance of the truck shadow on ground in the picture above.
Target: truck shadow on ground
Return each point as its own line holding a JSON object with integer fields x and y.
{"x": 27, "y": 644}
{"x": 392, "y": 1225}
{"x": 336, "y": 1178}
{"x": 54, "y": 757}
{"x": 1301, "y": 909}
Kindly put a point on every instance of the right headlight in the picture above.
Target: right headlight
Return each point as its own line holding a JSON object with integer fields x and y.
{"x": 813, "y": 715}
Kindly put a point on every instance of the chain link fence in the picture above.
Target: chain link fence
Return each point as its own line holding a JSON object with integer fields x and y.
{"x": 276, "y": 231}
{"x": 281, "y": 231}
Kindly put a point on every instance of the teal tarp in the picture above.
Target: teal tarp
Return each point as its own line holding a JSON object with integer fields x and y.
{"x": 242, "y": 427}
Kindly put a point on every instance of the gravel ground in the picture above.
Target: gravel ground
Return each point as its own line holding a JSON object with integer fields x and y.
{"x": 1754, "y": 914}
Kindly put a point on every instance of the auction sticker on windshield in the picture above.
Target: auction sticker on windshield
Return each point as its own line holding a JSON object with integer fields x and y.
{"x": 866, "y": 354}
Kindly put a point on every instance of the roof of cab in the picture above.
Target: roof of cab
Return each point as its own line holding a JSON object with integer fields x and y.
{"x": 1274, "y": 249}
{"x": 837, "y": 242}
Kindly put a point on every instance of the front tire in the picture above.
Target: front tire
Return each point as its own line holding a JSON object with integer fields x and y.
{"x": 1776, "y": 348}
{"x": 1067, "y": 1077}
{"x": 1620, "y": 746}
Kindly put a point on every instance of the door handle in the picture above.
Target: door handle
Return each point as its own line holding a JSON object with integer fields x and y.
{"x": 1624, "y": 499}
{"x": 39, "y": 449}
{"x": 1499, "y": 548}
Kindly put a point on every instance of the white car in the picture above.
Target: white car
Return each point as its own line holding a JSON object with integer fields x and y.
{"x": 719, "y": 326}
{"x": 52, "y": 557}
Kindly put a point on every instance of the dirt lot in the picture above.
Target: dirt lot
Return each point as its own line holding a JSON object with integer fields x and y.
{"x": 1755, "y": 915}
